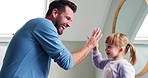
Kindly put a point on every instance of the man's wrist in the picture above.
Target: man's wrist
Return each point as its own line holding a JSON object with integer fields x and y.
{"x": 89, "y": 46}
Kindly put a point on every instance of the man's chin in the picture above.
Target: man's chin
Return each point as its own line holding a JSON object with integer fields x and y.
{"x": 60, "y": 33}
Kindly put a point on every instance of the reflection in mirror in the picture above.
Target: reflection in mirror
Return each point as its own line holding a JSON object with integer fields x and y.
{"x": 144, "y": 70}
{"x": 128, "y": 21}
{"x": 142, "y": 33}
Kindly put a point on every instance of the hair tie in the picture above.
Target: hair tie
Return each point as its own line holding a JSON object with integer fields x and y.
{"x": 129, "y": 44}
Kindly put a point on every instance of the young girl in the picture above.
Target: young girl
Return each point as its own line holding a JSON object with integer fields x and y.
{"x": 116, "y": 66}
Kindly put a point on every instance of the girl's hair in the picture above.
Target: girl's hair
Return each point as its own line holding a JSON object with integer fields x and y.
{"x": 119, "y": 40}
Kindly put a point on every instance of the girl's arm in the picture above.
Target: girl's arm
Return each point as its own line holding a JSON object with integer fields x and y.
{"x": 98, "y": 61}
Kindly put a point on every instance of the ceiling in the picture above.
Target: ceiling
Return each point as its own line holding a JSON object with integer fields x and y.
{"x": 90, "y": 14}
{"x": 100, "y": 13}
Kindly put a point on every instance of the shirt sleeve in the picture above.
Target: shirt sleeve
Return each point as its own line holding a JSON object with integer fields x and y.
{"x": 127, "y": 71}
{"x": 98, "y": 61}
{"x": 46, "y": 35}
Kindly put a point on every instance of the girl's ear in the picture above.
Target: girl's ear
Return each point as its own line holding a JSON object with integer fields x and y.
{"x": 121, "y": 49}
{"x": 55, "y": 12}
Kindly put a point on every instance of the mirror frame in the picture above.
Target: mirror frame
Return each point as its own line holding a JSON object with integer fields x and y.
{"x": 145, "y": 69}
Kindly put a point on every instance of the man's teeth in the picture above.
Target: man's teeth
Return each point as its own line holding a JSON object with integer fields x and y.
{"x": 64, "y": 27}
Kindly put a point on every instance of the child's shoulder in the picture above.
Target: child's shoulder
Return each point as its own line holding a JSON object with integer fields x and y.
{"x": 124, "y": 64}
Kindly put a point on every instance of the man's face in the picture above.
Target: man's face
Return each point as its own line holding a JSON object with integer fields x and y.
{"x": 63, "y": 20}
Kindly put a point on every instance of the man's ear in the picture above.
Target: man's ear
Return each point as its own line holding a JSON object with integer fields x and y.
{"x": 55, "y": 12}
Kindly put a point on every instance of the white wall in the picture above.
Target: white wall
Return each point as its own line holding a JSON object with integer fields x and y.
{"x": 90, "y": 14}
{"x": 3, "y": 47}
{"x": 14, "y": 13}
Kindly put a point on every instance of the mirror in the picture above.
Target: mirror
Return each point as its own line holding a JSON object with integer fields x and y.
{"x": 128, "y": 19}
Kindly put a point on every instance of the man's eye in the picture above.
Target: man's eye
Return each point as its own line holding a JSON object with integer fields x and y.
{"x": 68, "y": 18}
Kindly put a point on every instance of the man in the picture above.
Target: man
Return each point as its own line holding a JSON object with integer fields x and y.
{"x": 33, "y": 46}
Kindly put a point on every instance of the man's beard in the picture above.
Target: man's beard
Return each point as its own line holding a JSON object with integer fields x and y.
{"x": 57, "y": 25}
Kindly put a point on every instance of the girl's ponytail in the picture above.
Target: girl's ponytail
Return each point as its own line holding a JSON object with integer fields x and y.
{"x": 132, "y": 53}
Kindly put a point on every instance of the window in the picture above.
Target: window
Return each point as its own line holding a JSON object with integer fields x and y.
{"x": 143, "y": 31}
{"x": 15, "y": 13}
{"x": 142, "y": 34}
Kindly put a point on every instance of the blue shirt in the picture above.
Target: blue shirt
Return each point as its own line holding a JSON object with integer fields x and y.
{"x": 31, "y": 49}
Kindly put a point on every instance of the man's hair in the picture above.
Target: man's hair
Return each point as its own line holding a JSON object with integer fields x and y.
{"x": 60, "y": 5}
